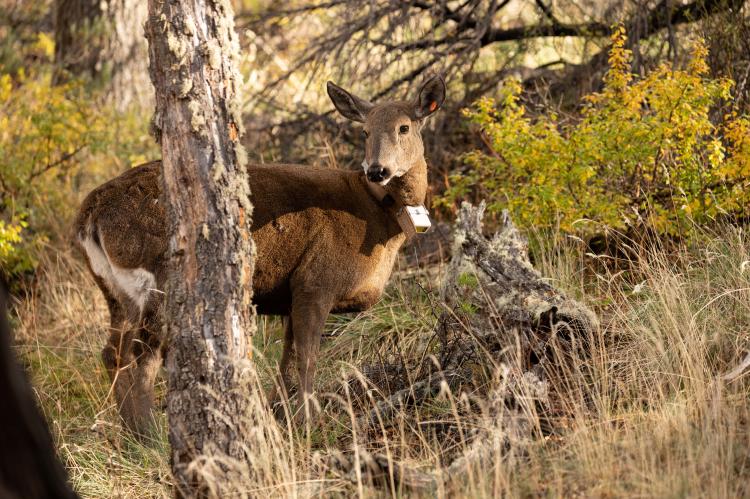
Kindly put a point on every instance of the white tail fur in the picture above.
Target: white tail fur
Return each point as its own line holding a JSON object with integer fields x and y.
{"x": 136, "y": 283}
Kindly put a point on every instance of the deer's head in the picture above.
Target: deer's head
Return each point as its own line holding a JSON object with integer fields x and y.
{"x": 392, "y": 130}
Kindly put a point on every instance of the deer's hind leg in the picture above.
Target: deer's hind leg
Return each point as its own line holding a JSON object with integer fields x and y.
{"x": 309, "y": 313}
{"x": 118, "y": 328}
{"x": 135, "y": 390}
{"x": 132, "y": 357}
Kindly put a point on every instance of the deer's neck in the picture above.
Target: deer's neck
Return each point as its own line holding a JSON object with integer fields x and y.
{"x": 407, "y": 190}
{"x": 411, "y": 188}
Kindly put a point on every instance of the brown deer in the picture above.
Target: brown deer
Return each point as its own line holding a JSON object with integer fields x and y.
{"x": 326, "y": 241}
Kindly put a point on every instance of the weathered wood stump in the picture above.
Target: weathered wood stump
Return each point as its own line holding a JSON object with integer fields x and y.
{"x": 495, "y": 297}
{"x": 502, "y": 317}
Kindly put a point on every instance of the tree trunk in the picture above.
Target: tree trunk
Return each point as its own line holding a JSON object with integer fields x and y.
{"x": 103, "y": 40}
{"x": 209, "y": 316}
{"x": 29, "y": 466}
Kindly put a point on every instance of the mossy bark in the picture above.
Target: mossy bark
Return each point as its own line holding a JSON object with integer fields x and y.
{"x": 209, "y": 316}
{"x": 494, "y": 292}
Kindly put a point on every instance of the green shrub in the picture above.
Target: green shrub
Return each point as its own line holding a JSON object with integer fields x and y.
{"x": 644, "y": 153}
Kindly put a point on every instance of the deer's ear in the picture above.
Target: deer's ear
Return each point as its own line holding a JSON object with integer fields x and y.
{"x": 347, "y": 104}
{"x": 431, "y": 97}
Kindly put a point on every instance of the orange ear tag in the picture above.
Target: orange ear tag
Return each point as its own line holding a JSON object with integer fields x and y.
{"x": 433, "y": 106}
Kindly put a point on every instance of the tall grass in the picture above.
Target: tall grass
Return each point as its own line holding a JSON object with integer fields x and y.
{"x": 647, "y": 414}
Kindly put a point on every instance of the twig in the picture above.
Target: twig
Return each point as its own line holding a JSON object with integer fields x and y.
{"x": 737, "y": 371}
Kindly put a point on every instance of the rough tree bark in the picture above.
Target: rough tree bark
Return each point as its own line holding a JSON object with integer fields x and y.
{"x": 209, "y": 317}
{"x": 103, "y": 40}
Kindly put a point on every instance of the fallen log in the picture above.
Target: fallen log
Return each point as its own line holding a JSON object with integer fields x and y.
{"x": 386, "y": 409}
{"x": 505, "y": 430}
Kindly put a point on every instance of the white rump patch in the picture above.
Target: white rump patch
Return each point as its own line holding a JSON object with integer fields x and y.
{"x": 135, "y": 283}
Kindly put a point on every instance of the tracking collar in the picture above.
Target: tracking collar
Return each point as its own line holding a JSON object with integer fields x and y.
{"x": 413, "y": 220}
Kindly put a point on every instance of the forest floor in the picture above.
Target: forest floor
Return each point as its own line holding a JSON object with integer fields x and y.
{"x": 656, "y": 420}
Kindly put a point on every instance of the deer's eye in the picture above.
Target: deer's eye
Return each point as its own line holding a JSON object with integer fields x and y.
{"x": 365, "y": 134}
{"x": 403, "y": 129}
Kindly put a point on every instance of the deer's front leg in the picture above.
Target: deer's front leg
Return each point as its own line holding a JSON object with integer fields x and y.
{"x": 309, "y": 312}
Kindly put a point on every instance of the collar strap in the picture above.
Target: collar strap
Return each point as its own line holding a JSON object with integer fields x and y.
{"x": 391, "y": 205}
{"x": 380, "y": 194}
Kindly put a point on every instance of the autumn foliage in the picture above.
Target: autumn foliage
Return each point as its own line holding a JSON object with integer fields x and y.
{"x": 55, "y": 140}
{"x": 660, "y": 152}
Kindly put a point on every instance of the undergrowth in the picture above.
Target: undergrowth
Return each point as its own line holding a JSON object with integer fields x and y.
{"x": 655, "y": 152}
{"x": 652, "y": 418}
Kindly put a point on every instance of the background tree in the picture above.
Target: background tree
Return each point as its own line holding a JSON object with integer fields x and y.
{"x": 103, "y": 40}
{"x": 193, "y": 52}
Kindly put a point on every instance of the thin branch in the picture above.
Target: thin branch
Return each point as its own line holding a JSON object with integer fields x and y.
{"x": 62, "y": 159}
{"x": 255, "y": 18}
{"x": 545, "y": 30}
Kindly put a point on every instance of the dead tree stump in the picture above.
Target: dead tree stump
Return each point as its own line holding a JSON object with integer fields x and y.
{"x": 499, "y": 304}
{"x": 504, "y": 318}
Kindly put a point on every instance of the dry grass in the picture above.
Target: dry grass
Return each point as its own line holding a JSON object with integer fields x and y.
{"x": 649, "y": 418}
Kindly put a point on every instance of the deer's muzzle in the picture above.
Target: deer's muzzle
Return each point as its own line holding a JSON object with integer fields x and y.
{"x": 378, "y": 173}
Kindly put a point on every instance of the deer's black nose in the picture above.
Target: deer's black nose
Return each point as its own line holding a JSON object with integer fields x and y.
{"x": 377, "y": 173}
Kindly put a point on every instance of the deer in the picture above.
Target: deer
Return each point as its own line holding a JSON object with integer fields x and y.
{"x": 326, "y": 241}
